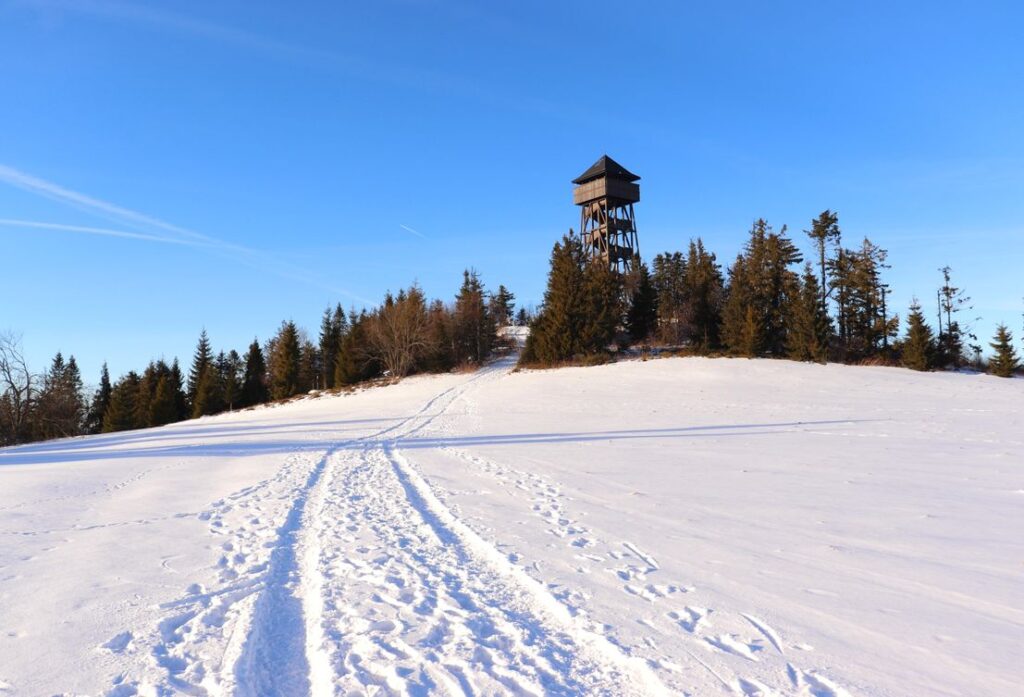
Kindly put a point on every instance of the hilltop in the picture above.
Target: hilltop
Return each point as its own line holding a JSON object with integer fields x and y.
{"x": 682, "y": 525}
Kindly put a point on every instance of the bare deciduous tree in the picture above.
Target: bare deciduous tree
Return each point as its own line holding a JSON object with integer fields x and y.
{"x": 17, "y": 390}
{"x": 398, "y": 334}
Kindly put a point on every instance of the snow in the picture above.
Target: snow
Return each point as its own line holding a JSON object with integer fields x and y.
{"x": 672, "y": 526}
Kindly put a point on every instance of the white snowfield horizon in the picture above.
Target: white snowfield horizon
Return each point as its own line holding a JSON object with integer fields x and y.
{"x": 676, "y": 526}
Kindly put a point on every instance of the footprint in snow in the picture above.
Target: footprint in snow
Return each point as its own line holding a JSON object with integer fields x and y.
{"x": 119, "y": 644}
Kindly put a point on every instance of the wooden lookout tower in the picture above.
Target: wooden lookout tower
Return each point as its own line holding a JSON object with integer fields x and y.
{"x": 606, "y": 193}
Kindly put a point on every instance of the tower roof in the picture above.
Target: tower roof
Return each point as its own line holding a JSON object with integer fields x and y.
{"x": 606, "y": 167}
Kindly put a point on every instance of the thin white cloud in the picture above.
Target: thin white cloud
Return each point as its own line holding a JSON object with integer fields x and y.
{"x": 88, "y": 230}
{"x": 54, "y": 192}
{"x": 407, "y": 76}
{"x": 154, "y": 229}
{"x": 409, "y": 229}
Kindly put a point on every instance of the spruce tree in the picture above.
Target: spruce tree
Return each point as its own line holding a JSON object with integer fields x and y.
{"x": 354, "y": 363}
{"x": 704, "y": 289}
{"x": 502, "y": 305}
{"x": 310, "y": 368}
{"x": 176, "y": 382}
{"x": 201, "y": 362}
{"x": 669, "y": 281}
{"x": 642, "y": 317}
{"x": 59, "y": 408}
{"x": 229, "y": 370}
{"x": 824, "y": 230}
{"x": 332, "y": 328}
{"x": 475, "y": 328}
{"x": 440, "y": 357}
{"x": 284, "y": 362}
{"x": 205, "y": 401}
{"x": 1004, "y": 362}
{"x": 810, "y": 326}
{"x": 604, "y": 307}
{"x": 100, "y": 402}
{"x": 918, "y": 348}
{"x": 162, "y": 408}
{"x": 254, "y": 384}
{"x": 121, "y": 413}
{"x": 762, "y": 289}
{"x": 555, "y": 333}
{"x": 953, "y": 337}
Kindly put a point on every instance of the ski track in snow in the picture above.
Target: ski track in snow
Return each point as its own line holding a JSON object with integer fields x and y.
{"x": 347, "y": 573}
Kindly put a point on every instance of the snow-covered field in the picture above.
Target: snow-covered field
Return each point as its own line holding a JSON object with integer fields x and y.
{"x": 675, "y": 526}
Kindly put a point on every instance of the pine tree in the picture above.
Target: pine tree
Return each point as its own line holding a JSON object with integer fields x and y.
{"x": 642, "y": 317}
{"x": 669, "y": 281}
{"x": 354, "y": 363}
{"x": 952, "y": 338}
{"x": 201, "y": 362}
{"x": 918, "y": 347}
{"x": 144, "y": 396}
{"x": 162, "y": 408}
{"x": 310, "y": 367}
{"x": 229, "y": 373}
{"x": 475, "y": 328}
{"x": 283, "y": 365}
{"x": 440, "y": 357}
{"x": 205, "y": 401}
{"x": 59, "y": 408}
{"x": 332, "y": 329}
{"x": 121, "y": 412}
{"x": 254, "y": 383}
{"x": 604, "y": 308}
{"x": 824, "y": 230}
{"x": 100, "y": 402}
{"x": 762, "y": 289}
{"x": 1005, "y": 362}
{"x": 555, "y": 333}
{"x": 704, "y": 290}
{"x": 502, "y": 305}
{"x": 176, "y": 383}
{"x": 810, "y": 326}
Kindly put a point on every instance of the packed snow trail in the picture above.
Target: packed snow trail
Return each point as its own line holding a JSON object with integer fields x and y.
{"x": 681, "y": 527}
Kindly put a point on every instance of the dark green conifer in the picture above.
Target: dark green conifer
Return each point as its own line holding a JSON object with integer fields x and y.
{"x": 824, "y": 231}
{"x": 284, "y": 362}
{"x": 704, "y": 290}
{"x": 201, "y": 361}
{"x": 918, "y": 348}
{"x": 1004, "y": 362}
{"x": 206, "y": 399}
{"x": 502, "y": 306}
{"x": 475, "y": 330}
{"x": 556, "y": 331}
{"x": 809, "y": 327}
{"x": 176, "y": 382}
{"x": 642, "y": 317}
{"x": 162, "y": 408}
{"x": 254, "y": 384}
{"x": 100, "y": 402}
{"x": 121, "y": 413}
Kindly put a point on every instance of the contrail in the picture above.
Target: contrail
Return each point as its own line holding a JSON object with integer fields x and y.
{"x": 60, "y": 227}
{"x": 145, "y": 225}
{"x": 409, "y": 229}
{"x": 52, "y": 191}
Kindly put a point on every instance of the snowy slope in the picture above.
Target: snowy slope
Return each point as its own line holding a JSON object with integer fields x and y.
{"x": 675, "y": 526}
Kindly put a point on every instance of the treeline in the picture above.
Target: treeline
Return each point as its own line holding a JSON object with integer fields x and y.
{"x": 406, "y": 334}
{"x": 770, "y": 302}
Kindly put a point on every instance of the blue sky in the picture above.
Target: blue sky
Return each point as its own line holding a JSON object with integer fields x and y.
{"x": 266, "y": 159}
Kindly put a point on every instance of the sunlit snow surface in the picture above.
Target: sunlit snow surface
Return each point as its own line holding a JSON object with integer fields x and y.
{"x": 669, "y": 527}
